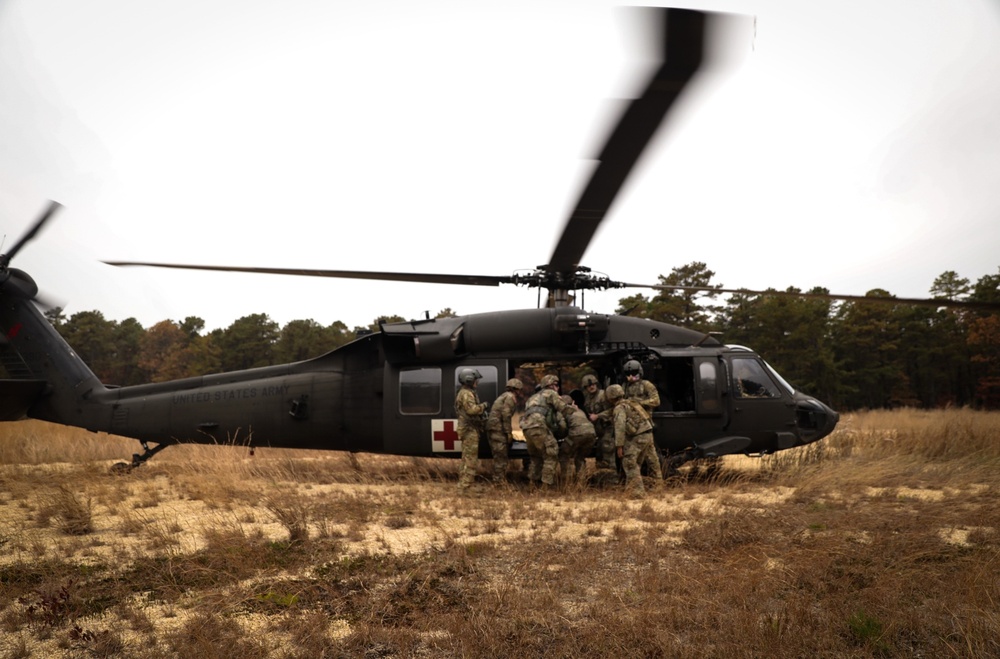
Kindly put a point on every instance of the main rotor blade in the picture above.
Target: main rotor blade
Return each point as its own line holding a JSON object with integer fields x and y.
{"x": 35, "y": 228}
{"x": 419, "y": 277}
{"x": 920, "y": 302}
{"x": 684, "y": 40}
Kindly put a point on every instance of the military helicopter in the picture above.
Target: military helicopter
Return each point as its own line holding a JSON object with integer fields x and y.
{"x": 391, "y": 391}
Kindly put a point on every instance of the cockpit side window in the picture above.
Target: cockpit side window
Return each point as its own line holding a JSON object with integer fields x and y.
{"x": 750, "y": 380}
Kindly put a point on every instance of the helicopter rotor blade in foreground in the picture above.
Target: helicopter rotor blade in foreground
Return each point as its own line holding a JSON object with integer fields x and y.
{"x": 683, "y": 41}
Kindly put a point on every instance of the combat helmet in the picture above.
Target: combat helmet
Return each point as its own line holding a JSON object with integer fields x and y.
{"x": 514, "y": 383}
{"x": 469, "y": 376}
{"x": 549, "y": 380}
{"x": 614, "y": 392}
{"x": 588, "y": 380}
{"x": 632, "y": 367}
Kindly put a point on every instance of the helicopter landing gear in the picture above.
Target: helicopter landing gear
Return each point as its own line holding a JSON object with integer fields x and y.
{"x": 121, "y": 468}
{"x": 672, "y": 463}
{"x": 706, "y": 467}
{"x": 667, "y": 467}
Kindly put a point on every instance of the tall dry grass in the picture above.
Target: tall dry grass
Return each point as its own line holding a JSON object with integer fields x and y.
{"x": 883, "y": 540}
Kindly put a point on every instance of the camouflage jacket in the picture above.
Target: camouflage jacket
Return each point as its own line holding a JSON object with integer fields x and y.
{"x": 631, "y": 419}
{"x": 468, "y": 408}
{"x": 579, "y": 424}
{"x": 544, "y": 409}
{"x": 502, "y": 413}
{"x": 645, "y": 392}
{"x": 596, "y": 403}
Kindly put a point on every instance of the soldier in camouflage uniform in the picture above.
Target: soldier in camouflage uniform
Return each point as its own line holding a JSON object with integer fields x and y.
{"x": 599, "y": 412}
{"x": 471, "y": 418}
{"x": 638, "y": 389}
{"x": 543, "y": 416}
{"x": 645, "y": 393}
{"x": 579, "y": 442}
{"x": 499, "y": 427}
{"x": 633, "y": 428}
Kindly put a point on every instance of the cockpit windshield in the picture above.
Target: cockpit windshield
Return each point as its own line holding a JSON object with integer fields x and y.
{"x": 781, "y": 380}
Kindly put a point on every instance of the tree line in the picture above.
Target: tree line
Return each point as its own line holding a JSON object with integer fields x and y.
{"x": 853, "y": 355}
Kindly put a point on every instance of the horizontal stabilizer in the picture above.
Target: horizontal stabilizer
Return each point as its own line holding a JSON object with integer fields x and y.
{"x": 16, "y": 396}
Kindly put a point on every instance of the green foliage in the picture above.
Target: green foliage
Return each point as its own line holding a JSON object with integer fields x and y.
{"x": 169, "y": 351}
{"x": 128, "y": 337}
{"x": 93, "y": 338}
{"x": 55, "y": 316}
{"x": 677, "y": 306}
{"x": 248, "y": 343}
{"x": 949, "y": 286}
{"x": 304, "y": 339}
{"x": 865, "y": 629}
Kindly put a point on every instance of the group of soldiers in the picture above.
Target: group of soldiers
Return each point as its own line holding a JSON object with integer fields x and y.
{"x": 560, "y": 434}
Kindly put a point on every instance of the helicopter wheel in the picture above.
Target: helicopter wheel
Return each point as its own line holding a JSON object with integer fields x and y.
{"x": 667, "y": 467}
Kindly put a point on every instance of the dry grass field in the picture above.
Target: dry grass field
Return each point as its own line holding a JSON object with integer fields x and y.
{"x": 881, "y": 541}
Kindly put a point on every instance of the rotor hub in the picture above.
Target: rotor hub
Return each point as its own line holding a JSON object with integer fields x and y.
{"x": 579, "y": 279}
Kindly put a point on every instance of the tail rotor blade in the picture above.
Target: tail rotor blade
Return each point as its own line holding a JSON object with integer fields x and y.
{"x": 30, "y": 234}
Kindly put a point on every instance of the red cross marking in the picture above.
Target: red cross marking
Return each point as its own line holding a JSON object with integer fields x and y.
{"x": 448, "y": 435}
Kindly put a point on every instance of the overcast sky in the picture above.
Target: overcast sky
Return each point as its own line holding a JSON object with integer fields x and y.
{"x": 854, "y": 145}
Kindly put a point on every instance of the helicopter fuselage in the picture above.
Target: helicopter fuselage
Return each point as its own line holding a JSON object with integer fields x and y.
{"x": 392, "y": 391}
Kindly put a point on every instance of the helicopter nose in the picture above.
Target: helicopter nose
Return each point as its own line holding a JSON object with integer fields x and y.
{"x": 814, "y": 419}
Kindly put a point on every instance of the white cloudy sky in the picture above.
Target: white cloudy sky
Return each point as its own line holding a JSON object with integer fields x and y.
{"x": 855, "y": 145}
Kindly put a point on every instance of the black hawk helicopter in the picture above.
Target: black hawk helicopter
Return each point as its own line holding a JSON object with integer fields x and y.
{"x": 392, "y": 391}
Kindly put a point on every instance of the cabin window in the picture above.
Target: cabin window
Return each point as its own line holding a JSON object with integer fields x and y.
{"x": 420, "y": 391}
{"x": 708, "y": 387}
{"x": 750, "y": 380}
{"x": 487, "y": 389}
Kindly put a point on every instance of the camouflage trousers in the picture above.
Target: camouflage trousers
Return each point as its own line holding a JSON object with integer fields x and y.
{"x": 606, "y": 451}
{"x": 544, "y": 452}
{"x": 638, "y": 450}
{"x": 498, "y": 447}
{"x": 470, "y": 455}
{"x": 573, "y": 455}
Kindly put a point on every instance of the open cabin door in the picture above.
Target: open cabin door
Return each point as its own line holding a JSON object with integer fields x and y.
{"x": 689, "y": 386}
{"x": 691, "y": 399}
